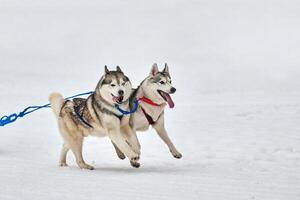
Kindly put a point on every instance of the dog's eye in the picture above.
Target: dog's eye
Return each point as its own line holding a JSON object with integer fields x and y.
{"x": 123, "y": 83}
{"x": 161, "y": 82}
{"x": 112, "y": 85}
{"x": 170, "y": 81}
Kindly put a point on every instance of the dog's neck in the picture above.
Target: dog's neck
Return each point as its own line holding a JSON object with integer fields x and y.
{"x": 153, "y": 111}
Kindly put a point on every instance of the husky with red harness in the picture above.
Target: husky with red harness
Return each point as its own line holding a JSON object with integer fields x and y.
{"x": 153, "y": 95}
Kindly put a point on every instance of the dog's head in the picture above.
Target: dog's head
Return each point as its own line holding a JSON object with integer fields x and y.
{"x": 114, "y": 87}
{"x": 158, "y": 86}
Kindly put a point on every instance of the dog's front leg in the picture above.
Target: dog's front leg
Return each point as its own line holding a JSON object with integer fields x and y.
{"x": 116, "y": 137}
{"x": 118, "y": 151}
{"x": 131, "y": 137}
{"x": 161, "y": 131}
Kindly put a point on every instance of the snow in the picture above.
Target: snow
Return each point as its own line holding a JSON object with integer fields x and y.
{"x": 235, "y": 65}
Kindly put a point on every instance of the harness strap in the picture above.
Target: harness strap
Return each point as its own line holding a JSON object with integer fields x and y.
{"x": 80, "y": 116}
{"x": 148, "y": 117}
{"x": 148, "y": 101}
{"x": 124, "y": 112}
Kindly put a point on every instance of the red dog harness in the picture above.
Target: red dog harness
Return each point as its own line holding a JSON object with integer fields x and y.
{"x": 148, "y": 101}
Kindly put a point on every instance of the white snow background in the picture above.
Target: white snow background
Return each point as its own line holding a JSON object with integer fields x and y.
{"x": 235, "y": 65}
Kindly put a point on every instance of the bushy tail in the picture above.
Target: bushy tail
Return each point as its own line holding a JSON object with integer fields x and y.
{"x": 56, "y": 101}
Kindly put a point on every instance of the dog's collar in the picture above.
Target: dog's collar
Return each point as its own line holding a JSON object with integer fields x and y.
{"x": 148, "y": 101}
{"x": 134, "y": 109}
{"x": 116, "y": 106}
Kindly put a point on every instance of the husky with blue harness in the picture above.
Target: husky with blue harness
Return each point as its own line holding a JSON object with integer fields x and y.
{"x": 101, "y": 114}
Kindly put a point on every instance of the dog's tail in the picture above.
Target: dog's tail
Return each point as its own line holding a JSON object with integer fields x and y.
{"x": 56, "y": 101}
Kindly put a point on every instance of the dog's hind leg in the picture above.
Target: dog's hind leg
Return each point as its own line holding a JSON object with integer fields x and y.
{"x": 76, "y": 147}
{"x": 73, "y": 137}
{"x": 63, "y": 156}
{"x": 119, "y": 152}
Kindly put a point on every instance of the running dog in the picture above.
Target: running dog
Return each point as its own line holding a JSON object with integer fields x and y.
{"x": 153, "y": 94}
{"x": 98, "y": 116}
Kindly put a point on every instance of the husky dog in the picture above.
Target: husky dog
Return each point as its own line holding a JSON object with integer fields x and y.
{"x": 97, "y": 116}
{"x": 153, "y": 94}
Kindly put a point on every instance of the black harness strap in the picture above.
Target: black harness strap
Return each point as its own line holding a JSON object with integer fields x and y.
{"x": 82, "y": 119}
{"x": 77, "y": 111}
{"x": 148, "y": 117}
{"x": 119, "y": 117}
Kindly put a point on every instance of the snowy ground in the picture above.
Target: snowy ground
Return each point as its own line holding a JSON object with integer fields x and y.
{"x": 236, "y": 120}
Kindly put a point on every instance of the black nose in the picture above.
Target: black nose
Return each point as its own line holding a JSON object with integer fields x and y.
{"x": 173, "y": 90}
{"x": 121, "y": 92}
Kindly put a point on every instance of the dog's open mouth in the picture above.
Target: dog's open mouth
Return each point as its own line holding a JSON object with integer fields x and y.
{"x": 117, "y": 99}
{"x": 167, "y": 98}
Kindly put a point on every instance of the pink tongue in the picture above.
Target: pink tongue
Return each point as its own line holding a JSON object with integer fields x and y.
{"x": 115, "y": 98}
{"x": 169, "y": 100}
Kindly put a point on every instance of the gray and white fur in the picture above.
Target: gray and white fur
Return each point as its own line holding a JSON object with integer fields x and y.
{"x": 97, "y": 116}
{"x": 156, "y": 87}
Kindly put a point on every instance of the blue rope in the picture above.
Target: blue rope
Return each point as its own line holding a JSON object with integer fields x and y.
{"x": 13, "y": 117}
{"x": 124, "y": 112}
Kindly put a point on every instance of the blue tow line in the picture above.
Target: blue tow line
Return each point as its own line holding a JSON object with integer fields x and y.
{"x": 13, "y": 117}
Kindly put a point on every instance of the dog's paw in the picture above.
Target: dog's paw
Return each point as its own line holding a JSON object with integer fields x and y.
{"x": 135, "y": 158}
{"x": 121, "y": 155}
{"x": 86, "y": 166}
{"x": 135, "y": 164}
{"x": 63, "y": 165}
{"x": 176, "y": 154}
{"x": 134, "y": 161}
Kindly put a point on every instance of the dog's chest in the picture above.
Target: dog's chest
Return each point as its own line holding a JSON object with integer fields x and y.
{"x": 140, "y": 122}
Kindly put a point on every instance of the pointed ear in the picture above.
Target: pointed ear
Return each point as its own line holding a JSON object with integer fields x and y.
{"x": 166, "y": 69}
{"x": 154, "y": 69}
{"x": 106, "y": 70}
{"x": 119, "y": 69}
